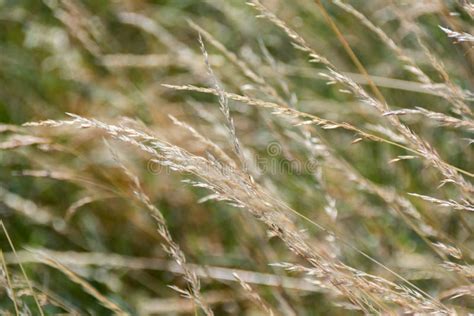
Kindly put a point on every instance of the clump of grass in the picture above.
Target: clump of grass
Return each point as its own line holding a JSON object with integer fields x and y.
{"x": 209, "y": 110}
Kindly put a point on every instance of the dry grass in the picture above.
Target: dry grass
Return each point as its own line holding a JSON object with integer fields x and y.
{"x": 279, "y": 155}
